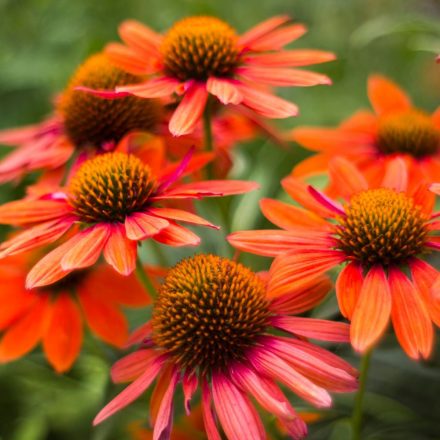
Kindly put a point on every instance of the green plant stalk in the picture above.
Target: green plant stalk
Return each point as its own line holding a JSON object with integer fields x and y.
{"x": 145, "y": 280}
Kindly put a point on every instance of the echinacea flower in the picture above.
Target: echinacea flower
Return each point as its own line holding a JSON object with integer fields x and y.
{"x": 211, "y": 330}
{"x": 381, "y": 234}
{"x": 371, "y": 140}
{"x": 81, "y": 122}
{"x": 55, "y": 315}
{"x": 202, "y": 56}
{"x": 116, "y": 199}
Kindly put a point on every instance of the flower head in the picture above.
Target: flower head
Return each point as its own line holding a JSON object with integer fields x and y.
{"x": 117, "y": 201}
{"x": 379, "y": 233}
{"x": 371, "y": 141}
{"x": 201, "y": 56}
{"x": 211, "y": 328}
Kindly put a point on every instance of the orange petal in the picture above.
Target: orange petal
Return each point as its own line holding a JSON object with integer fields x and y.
{"x": 225, "y": 90}
{"x": 140, "y": 225}
{"x": 128, "y": 59}
{"x": 410, "y": 316}
{"x": 316, "y": 164}
{"x": 278, "y": 38}
{"x": 104, "y": 319}
{"x": 396, "y": 175}
{"x": 346, "y": 177}
{"x": 176, "y": 235}
{"x": 385, "y": 96}
{"x": 119, "y": 251}
{"x": 181, "y": 215}
{"x": 22, "y": 337}
{"x": 291, "y": 58}
{"x": 140, "y": 37}
{"x": 161, "y": 87}
{"x": 15, "y": 301}
{"x": 263, "y": 28}
{"x": 372, "y": 311}
{"x": 348, "y": 288}
{"x": 63, "y": 338}
{"x": 189, "y": 111}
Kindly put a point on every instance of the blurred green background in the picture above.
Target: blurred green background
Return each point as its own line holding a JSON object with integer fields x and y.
{"x": 41, "y": 43}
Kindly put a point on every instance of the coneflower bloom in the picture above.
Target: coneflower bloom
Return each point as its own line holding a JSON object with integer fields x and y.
{"x": 372, "y": 140}
{"x": 117, "y": 200}
{"x": 211, "y": 329}
{"x": 381, "y": 234}
{"x": 202, "y": 56}
{"x": 81, "y": 123}
{"x": 55, "y": 315}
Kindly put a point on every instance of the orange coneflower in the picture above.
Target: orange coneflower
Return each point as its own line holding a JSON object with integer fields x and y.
{"x": 116, "y": 199}
{"x": 379, "y": 233}
{"x": 211, "y": 329}
{"x": 202, "y": 56}
{"x": 372, "y": 140}
{"x": 55, "y": 315}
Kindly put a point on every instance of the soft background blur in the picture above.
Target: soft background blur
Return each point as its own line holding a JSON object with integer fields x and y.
{"x": 41, "y": 43}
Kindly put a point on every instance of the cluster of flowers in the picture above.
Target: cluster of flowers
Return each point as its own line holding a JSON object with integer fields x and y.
{"x": 147, "y": 126}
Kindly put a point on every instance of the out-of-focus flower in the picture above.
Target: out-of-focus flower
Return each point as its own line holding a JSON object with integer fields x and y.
{"x": 379, "y": 233}
{"x": 372, "y": 140}
{"x": 202, "y": 56}
{"x": 117, "y": 200}
{"x": 56, "y": 315}
{"x": 210, "y": 329}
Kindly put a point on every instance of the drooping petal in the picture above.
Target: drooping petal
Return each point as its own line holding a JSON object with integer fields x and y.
{"x": 181, "y": 215}
{"x": 176, "y": 235}
{"x": 291, "y": 58}
{"x": 63, "y": 337}
{"x": 140, "y": 225}
{"x": 132, "y": 392}
{"x": 189, "y": 111}
{"x": 189, "y": 385}
{"x": 208, "y": 417}
{"x": 262, "y": 29}
{"x": 155, "y": 88}
{"x": 411, "y": 320}
{"x": 372, "y": 311}
{"x": 87, "y": 248}
{"x": 346, "y": 177}
{"x": 225, "y": 90}
{"x": 119, "y": 251}
{"x": 130, "y": 367}
{"x": 348, "y": 287}
{"x": 234, "y": 411}
{"x": 385, "y": 96}
{"x": 396, "y": 175}
{"x": 140, "y": 334}
{"x": 15, "y": 301}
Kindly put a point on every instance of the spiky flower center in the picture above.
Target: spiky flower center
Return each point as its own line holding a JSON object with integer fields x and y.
{"x": 210, "y": 310}
{"x": 109, "y": 187}
{"x": 200, "y": 47}
{"x": 97, "y": 122}
{"x": 382, "y": 226}
{"x": 411, "y": 132}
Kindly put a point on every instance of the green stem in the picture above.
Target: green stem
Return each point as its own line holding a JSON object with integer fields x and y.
{"x": 358, "y": 403}
{"x": 207, "y": 127}
{"x": 144, "y": 279}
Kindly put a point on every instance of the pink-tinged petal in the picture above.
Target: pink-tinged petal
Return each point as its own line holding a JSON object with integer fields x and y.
{"x": 296, "y": 428}
{"x": 372, "y": 311}
{"x": 386, "y": 97}
{"x": 396, "y": 175}
{"x": 189, "y": 385}
{"x": 181, "y": 215}
{"x": 225, "y": 90}
{"x": 132, "y": 392}
{"x": 411, "y": 320}
{"x": 208, "y": 418}
{"x": 101, "y": 93}
{"x": 140, "y": 37}
{"x": 176, "y": 235}
{"x": 140, "y": 334}
{"x": 313, "y": 367}
{"x": 119, "y": 251}
{"x": 37, "y": 236}
{"x": 320, "y": 329}
{"x": 278, "y": 38}
{"x": 258, "y": 387}
{"x": 348, "y": 287}
{"x": 130, "y": 367}
{"x": 189, "y": 111}
{"x": 234, "y": 410}
{"x": 327, "y": 202}
{"x": 262, "y": 29}
{"x": 166, "y": 180}
{"x": 164, "y": 420}
{"x": 87, "y": 249}
{"x": 302, "y": 299}
{"x": 278, "y": 76}
{"x": 140, "y": 225}
{"x": 291, "y": 58}
{"x": 435, "y": 188}
{"x": 271, "y": 243}
{"x": 273, "y": 366}
{"x": 209, "y": 188}
{"x": 299, "y": 267}
{"x": 346, "y": 177}
{"x": 21, "y": 212}
{"x": 161, "y": 87}
{"x": 129, "y": 59}
{"x": 28, "y": 133}
{"x": 267, "y": 104}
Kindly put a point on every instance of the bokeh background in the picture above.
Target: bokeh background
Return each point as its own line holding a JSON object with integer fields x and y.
{"x": 41, "y": 43}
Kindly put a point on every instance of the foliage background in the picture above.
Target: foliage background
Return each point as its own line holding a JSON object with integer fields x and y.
{"x": 41, "y": 43}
